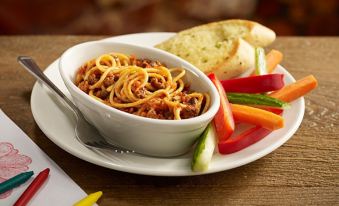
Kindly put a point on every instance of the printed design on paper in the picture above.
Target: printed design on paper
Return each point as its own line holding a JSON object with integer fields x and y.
{"x": 11, "y": 163}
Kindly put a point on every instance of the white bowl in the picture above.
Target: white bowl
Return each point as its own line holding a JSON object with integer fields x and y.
{"x": 144, "y": 135}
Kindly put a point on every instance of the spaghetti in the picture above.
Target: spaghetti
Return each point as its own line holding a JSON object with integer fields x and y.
{"x": 140, "y": 86}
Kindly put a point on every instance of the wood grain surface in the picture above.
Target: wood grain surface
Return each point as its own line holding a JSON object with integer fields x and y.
{"x": 304, "y": 171}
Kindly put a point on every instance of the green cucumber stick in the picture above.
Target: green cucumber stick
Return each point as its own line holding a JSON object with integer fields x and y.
{"x": 256, "y": 99}
{"x": 204, "y": 149}
{"x": 260, "y": 61}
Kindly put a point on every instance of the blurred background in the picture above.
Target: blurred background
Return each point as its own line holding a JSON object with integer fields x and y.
{"x": 114, "y": 17}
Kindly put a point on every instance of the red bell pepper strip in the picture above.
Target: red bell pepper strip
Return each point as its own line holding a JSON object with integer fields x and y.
{"x": 245, "y": 139}
{"x": 254, "y": 84}
{"x": 274, "y": 110}
{"x": 223, "y": 120}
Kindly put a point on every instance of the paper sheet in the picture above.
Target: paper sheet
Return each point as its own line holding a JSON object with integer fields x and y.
{"x": 18, "y": 153}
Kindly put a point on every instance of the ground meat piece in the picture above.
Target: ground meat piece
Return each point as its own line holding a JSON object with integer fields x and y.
{"x": 168, "y": 114}
{"x": 157, "y": 109}
{"x": 177, "y": 98}
{"x": 80, "y": 75}
{"x": 135, "y": 86}
{"x": 109, "y": 80}
{"x": 156, "y": 84}
{"x": 84, "y": 86}
{"x": 157, "y": 104}
{"x": 117, "y": 100}
{"x": 103, "y": 94}
{"x": 129, "y": 109}
{"x": 97, "y": 73}
{"x": 186, "y": 88}
{"x": 189, "y": 111}
{"x": 140, "y": 93}
{"x": 92, "y": 79}
{"x": 181, "y": 97}
{"x": 116, "y": 77}
{"x": 147, "y": 63}
{"x": 154, "y": 114}
{"x": 132, "y": 60}
{"x": 79, "y": 78}
{"x": 192, "y": 101}
{"x": 155, "y": 63}
{"x": 82, "y": 70}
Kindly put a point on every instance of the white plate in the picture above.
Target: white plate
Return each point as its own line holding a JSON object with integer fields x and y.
{"x": 57, "y": 123}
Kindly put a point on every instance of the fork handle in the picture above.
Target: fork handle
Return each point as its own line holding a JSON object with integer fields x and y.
{"x": 31, "y": 66}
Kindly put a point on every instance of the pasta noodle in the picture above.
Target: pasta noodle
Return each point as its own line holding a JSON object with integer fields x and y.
{"x": 140, "y": 86}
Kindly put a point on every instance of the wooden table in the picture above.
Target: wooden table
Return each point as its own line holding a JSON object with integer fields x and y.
{"x": 304, "y": 171}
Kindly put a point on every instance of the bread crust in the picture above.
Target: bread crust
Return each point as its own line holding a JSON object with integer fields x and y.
{"x": 244, "y": 35}
{"x": 258, "y": 34}
{"x": 239, "y": 60}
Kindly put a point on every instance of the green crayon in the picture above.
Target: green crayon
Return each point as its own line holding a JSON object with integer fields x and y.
{"x": 15, "y": 181}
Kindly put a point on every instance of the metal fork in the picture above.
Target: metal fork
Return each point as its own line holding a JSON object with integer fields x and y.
{"x": 86, "y": 134}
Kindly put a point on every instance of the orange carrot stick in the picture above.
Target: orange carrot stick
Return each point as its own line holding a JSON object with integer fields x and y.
{"x": 273, "y": 58}
{"x": 295, "y": 90}
{"x": 257, "y": 116}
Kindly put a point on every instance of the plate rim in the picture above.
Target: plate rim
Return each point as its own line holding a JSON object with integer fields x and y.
{"x": 73, "y": 151}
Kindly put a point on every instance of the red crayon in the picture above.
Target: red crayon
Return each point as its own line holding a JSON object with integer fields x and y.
{"x": 32, "y": 188}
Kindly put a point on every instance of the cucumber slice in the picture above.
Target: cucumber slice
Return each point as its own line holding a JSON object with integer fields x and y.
{"x": 260, "y": 61}
{"x": 256, "y": 99}
{"x": 204, "y": 150}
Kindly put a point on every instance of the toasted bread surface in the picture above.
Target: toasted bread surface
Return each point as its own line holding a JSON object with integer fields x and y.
{"x": 224, "y": 47}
